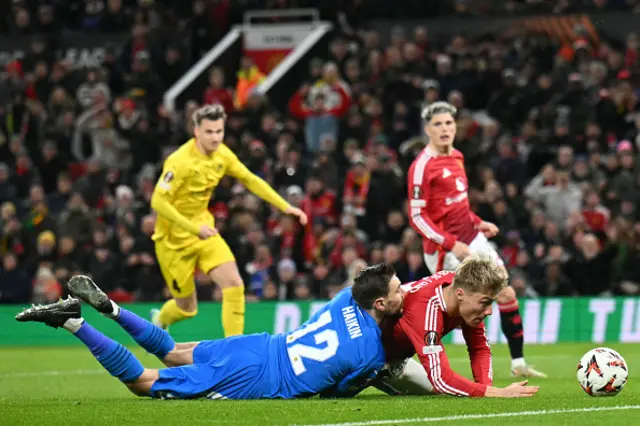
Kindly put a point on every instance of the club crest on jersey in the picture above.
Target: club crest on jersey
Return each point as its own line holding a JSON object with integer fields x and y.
{"x": 417, "y": 193}
{"x": 460, "y": 186}
{"x": 431, "y": 339}
{"x": 218, "y": 166}
{"x": 168, "y": 177}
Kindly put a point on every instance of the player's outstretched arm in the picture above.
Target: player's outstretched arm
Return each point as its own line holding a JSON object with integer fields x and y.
{"x": 262, "y": 189}
{"x": 479, "y": 353}
{"x": 433, "y": 358}
{"x": 446, "y": 381}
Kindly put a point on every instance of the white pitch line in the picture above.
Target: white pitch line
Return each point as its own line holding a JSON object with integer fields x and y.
{"x": 51, "y": 373}
{"x": 479, "y": 416}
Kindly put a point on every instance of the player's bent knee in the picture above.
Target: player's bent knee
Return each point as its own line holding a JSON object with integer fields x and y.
{"x": 142, "y": 385}
{"x": 231, "y": 281}
{"x": 407, "y": 378}
{"x": 188, "y": 305}
{"x": 182, "y": 354}
{"x": 236, "y": 282}
{"x": 185, "y": 346}
{"x": 139, "y": 390}
{"x": 508, "y": 294}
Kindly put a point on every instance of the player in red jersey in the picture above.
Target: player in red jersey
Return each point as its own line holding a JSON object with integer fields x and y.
{"x": 433, "y": 307}
{"x": 440, "y": 213}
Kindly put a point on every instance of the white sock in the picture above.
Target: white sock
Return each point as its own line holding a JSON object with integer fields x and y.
{"x": 73, "y": 324}
{"x": 116, "y": 311}
{"x": 518, "y": 363}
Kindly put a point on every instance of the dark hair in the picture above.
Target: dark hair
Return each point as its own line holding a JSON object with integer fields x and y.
{"x": 372, "y": 283}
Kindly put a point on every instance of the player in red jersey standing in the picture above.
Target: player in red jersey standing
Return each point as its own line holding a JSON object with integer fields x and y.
{"x": 433, "y": 307}
{"x": 439, "y": 211}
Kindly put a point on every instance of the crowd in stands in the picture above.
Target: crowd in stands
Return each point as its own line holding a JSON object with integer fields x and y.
{"x": 550, "y": 135}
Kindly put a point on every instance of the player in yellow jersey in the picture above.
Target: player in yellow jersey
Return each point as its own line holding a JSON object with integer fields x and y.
{"x": 185, "y": 236}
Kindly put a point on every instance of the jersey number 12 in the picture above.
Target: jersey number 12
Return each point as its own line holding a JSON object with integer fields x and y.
{"x": 298, "y": 351}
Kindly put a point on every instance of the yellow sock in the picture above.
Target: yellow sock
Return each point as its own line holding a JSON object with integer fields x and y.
{"x": 170, "y": 313}
{"x": 233, "y": 311}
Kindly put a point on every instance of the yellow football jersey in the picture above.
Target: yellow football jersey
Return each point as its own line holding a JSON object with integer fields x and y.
{"x": 187, "y": 182}
{"x": 183, "y": 191}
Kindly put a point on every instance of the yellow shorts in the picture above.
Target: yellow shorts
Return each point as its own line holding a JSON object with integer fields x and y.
{"x": 178, "y": 265}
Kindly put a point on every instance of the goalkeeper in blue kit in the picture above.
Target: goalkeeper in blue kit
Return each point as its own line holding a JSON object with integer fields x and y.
{"x": 336, "y": 353}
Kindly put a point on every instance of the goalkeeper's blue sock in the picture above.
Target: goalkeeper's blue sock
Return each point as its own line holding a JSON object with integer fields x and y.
{"x": 114, "y": 357}
{"x": 150, "y": 337}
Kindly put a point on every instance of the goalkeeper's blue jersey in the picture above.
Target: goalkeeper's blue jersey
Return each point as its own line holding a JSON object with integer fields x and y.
{"x": 338, "y": 349}
{"x": 335, "y": 353}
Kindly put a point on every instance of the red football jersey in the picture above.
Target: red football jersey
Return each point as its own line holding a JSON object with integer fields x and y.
{"x": 597, "y": 219}
{"x": 439, "y": 202}
{"x": 322, "y": 206}
{"x": 420, "y": 329}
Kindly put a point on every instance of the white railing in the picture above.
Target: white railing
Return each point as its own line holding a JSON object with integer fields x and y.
{"x": 201, "y": 66}
{"x": 316, "y": 27}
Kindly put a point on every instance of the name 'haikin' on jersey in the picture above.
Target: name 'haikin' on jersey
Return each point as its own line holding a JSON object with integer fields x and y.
{"x": 351, "y": 321}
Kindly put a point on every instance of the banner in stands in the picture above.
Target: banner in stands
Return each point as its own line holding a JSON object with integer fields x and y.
{"x": 268, "y": 45}
{"x": 607, "y": 25}
{"x": 593, "y": 320}
{"x": 83, "y": 51}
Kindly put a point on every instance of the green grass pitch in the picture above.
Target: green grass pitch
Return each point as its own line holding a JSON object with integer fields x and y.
{"x": 65, "y": 386}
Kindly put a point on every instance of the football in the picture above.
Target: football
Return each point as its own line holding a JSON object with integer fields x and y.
{"x": 602, "y": 372}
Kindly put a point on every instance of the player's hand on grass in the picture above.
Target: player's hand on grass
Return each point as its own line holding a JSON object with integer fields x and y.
{"x": 514, "y": 390}
{"x": 488, "y": 229}
{"x": 294, "y": 211}
{"x": 207, "y": 232}
{"x": 521, "y": 390}
{"x": 460, "y": 250}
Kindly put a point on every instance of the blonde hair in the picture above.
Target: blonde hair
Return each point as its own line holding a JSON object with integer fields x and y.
{"x": 209, "y": 112}
{"x": 478, "y": 273}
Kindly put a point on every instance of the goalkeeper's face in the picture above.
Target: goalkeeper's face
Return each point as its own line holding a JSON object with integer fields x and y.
{"x": 393, "y": 304}
{"x": 441, "y": 130}
{"x": 474, "y": 307}
{"x": 210, "y": 134}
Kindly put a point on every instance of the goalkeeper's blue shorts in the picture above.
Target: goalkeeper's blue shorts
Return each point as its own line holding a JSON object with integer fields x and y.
{"x": 231, "y": 368}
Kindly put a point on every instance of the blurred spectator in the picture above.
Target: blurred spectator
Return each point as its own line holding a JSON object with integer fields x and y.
{"x": 217, "y": 93}
{"x": 321, "y": 115}
{"x": 46, "y": 289}
{"x": 559, "y": 200}
{"x": 249, "y": 77}
{"x": 76, "y": 220}
{"x": 15, "y": 286}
